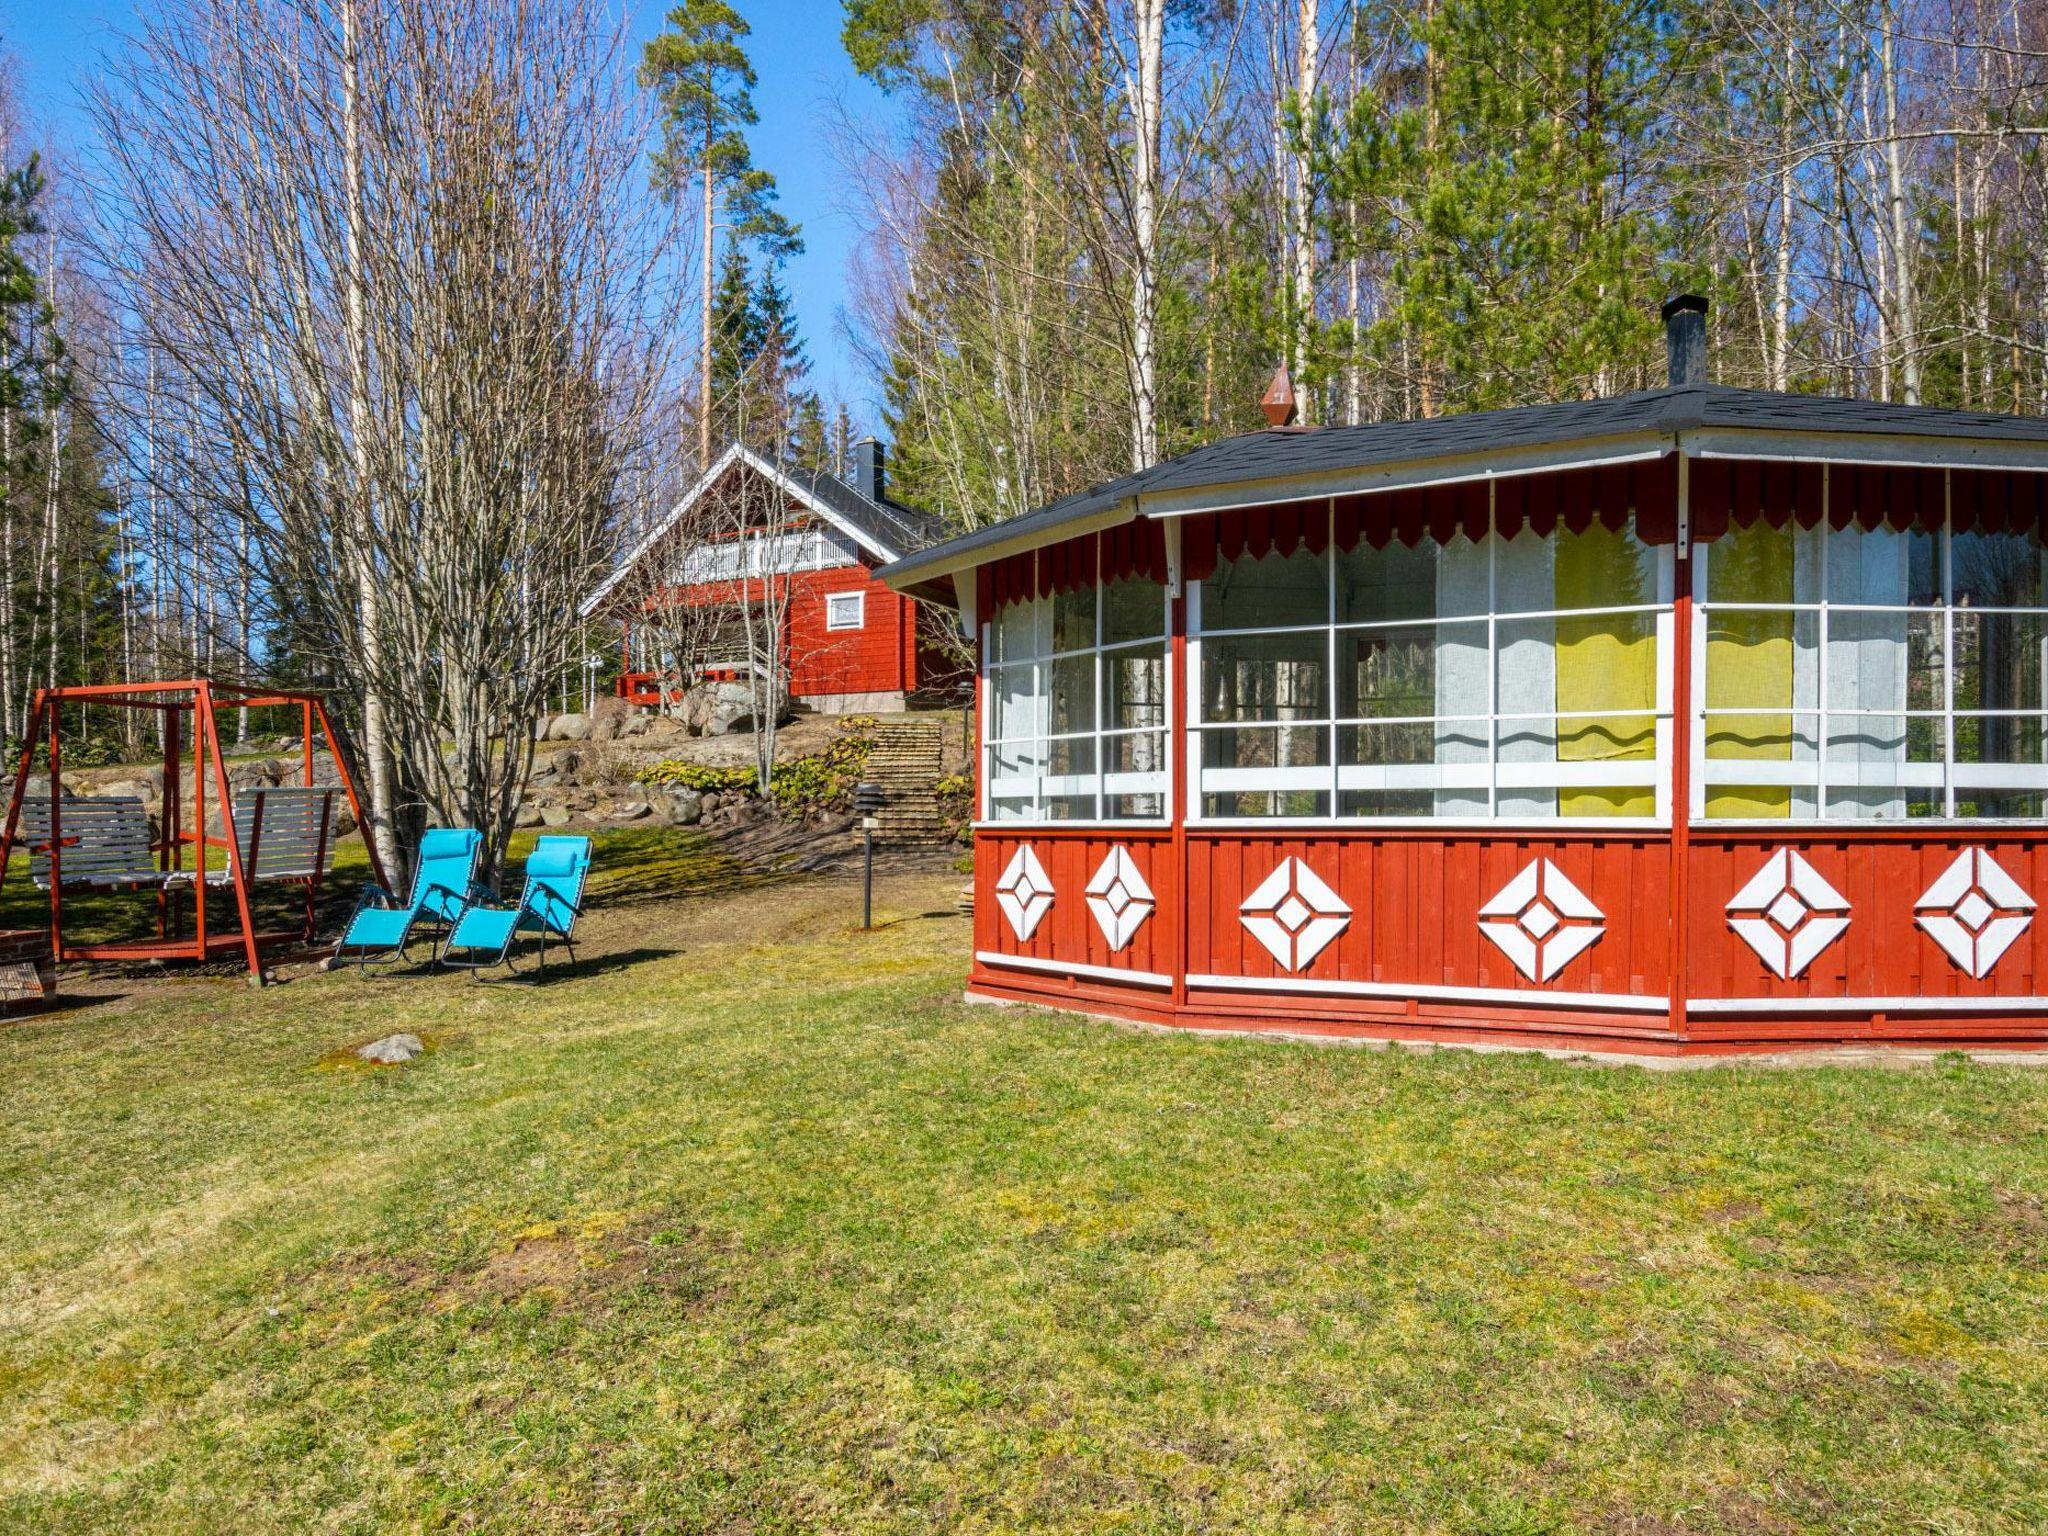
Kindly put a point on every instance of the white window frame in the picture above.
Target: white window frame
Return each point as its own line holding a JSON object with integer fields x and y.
{"x": 1333, "y": 778}
{"x": 859, "y": 600}
{"x": 1946, "y": 775}
{"x": 1101, "y": 783}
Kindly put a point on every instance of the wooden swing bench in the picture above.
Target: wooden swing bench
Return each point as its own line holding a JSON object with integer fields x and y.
{"x": 105, "y": 841}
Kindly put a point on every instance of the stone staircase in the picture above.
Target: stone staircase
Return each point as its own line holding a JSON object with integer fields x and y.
{"x": 906, "y": 760}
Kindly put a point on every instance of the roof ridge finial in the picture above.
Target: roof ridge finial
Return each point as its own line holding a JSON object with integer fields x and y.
{"x": 1278, "y": 400}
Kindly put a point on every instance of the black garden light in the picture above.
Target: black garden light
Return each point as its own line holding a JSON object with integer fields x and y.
{"x": 867, "y": 804}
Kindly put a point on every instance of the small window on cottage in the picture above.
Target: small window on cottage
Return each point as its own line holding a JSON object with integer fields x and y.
{"x": 846, "y": 610}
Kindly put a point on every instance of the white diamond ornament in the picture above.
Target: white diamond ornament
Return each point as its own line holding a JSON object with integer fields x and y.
{"x": 1024, "y": 893}
{"x": 1294, "y": 914}
{"x": 1541, "y": 921}
{"x": 1119, "y": 898}
{"x": 1788, "y": 913}
{"x": 1975, "y": 911}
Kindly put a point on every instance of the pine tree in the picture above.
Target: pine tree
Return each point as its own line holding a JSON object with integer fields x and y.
{"x": 700, "y": 70}
{"x": 34, "y": 371}
{"x": 759, "y": 365}
{"x": 736, "y": 338}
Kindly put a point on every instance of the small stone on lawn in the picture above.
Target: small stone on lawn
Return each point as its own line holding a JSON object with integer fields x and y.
{"x": 392, "y": 1050}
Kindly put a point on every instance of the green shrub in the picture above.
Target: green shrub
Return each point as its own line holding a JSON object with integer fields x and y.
{"x": 822, "y": 781}
{"x": 706, "y": 781}
{"x": 955, "y": 792}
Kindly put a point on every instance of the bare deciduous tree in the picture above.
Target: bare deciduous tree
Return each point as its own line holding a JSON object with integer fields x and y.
{"x": 393, "y": 263}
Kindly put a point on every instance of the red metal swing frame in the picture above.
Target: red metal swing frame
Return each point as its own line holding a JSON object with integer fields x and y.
{"x": 200, "y": 699}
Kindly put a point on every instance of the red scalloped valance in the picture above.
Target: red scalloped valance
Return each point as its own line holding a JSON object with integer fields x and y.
{"x": 1867, "y": 496}
{"x": 1542, "y": 503}
{"x": 1133, "y": 549}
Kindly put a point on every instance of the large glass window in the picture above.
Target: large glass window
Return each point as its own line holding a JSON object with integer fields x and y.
{"x": 1076, "y": 689}
{"x": 1871, "y": 674}
{"x": 1498, "y": 678}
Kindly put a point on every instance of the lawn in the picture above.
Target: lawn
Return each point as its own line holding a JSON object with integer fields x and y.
{"x": 750, "y": 1225}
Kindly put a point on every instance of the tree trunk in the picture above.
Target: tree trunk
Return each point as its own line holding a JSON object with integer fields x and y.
{"x": 1146, "y": 110}
{"x": 1905, "y": 305}
{"x": 1308, "y": 45}
{"x": 704, "y": 346}
{"x": 356, "y": 330}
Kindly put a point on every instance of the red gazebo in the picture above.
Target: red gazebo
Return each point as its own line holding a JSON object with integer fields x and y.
{"x": 1695, "y": 720}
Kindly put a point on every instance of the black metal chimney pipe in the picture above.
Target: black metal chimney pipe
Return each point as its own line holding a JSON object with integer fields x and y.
{"x": 1685, "y": 338}
{"x": 870, "y": 476}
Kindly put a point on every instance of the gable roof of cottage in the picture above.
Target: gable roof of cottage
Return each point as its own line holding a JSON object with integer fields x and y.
{"x": 883, "y": 530}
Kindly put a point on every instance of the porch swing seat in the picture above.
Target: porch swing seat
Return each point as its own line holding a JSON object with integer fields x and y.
{"x": 284, "y": 834}
{"x": 105, "y": 842}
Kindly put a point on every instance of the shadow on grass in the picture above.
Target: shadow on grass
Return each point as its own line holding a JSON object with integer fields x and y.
{"x": 557, "y": 970}
{"x": 576, "y": 970}
{"x": 641, "y": 865}
{"x": 35, "y": 1013}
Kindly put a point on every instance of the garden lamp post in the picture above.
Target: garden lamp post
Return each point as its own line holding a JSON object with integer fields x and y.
{"x": 867, "y": 802}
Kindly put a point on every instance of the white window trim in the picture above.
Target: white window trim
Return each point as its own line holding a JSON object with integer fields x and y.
{"x": 1101, "y": 782}
{"x": 1332, "y": 778}
{"x": 1946, "y": 775}
{"x": 858, "y": 598}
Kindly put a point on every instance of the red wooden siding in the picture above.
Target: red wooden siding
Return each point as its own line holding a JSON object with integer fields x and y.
{"x": 883, "y": 656}
{"x": 1884, "y": 955}
{"x": 1414, "y": 923}
{"x": 880, "y": 657}
{"x": 1415, "y": 901}
{"x": 1068, "y": 933}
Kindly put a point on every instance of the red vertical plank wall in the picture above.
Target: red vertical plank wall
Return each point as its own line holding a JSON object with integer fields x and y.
{"x": 871, "y": 659}
{"x": 1885, "y": 961}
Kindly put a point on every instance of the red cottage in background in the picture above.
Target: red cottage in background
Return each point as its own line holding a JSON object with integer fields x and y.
{"x": 852, "y": 642}
{"x": 1696, "y": 720}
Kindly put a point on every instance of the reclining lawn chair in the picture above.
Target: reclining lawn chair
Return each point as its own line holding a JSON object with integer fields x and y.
{"x": 380, "y": 928}
{"x": 549, "y": 903}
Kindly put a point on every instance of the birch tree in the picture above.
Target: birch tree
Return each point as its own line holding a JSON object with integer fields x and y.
{"x": 418, "y": 332}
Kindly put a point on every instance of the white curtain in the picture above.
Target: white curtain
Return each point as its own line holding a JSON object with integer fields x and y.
{"x": 1868, "y": 657}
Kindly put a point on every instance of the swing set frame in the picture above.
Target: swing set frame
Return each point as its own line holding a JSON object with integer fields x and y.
{"x": 189, "y": 711}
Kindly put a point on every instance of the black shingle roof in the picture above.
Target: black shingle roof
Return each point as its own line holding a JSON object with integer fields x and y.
{"x": 892, "y": 524}
{"x": 1257, "y": 456}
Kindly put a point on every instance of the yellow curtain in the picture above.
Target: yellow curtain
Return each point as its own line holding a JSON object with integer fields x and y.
{"x": 1605, "y": 663}
{"x": 1749, "y": 665}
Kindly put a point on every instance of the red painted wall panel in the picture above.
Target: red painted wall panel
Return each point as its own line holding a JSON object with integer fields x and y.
{"x": 1069, "y": 933}
{"x": 1414, "y": 905}
{"x": 1884, "y": 952}
{"x": 1415, "y": 901}
{"x": 873, "y": 659}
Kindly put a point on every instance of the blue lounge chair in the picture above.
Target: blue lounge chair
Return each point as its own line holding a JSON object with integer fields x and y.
{"x": 549, "y": 903}
{"x": 381, "y": 928}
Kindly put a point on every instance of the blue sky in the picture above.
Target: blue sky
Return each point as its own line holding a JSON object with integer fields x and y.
{"x": 803, "y": 74}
